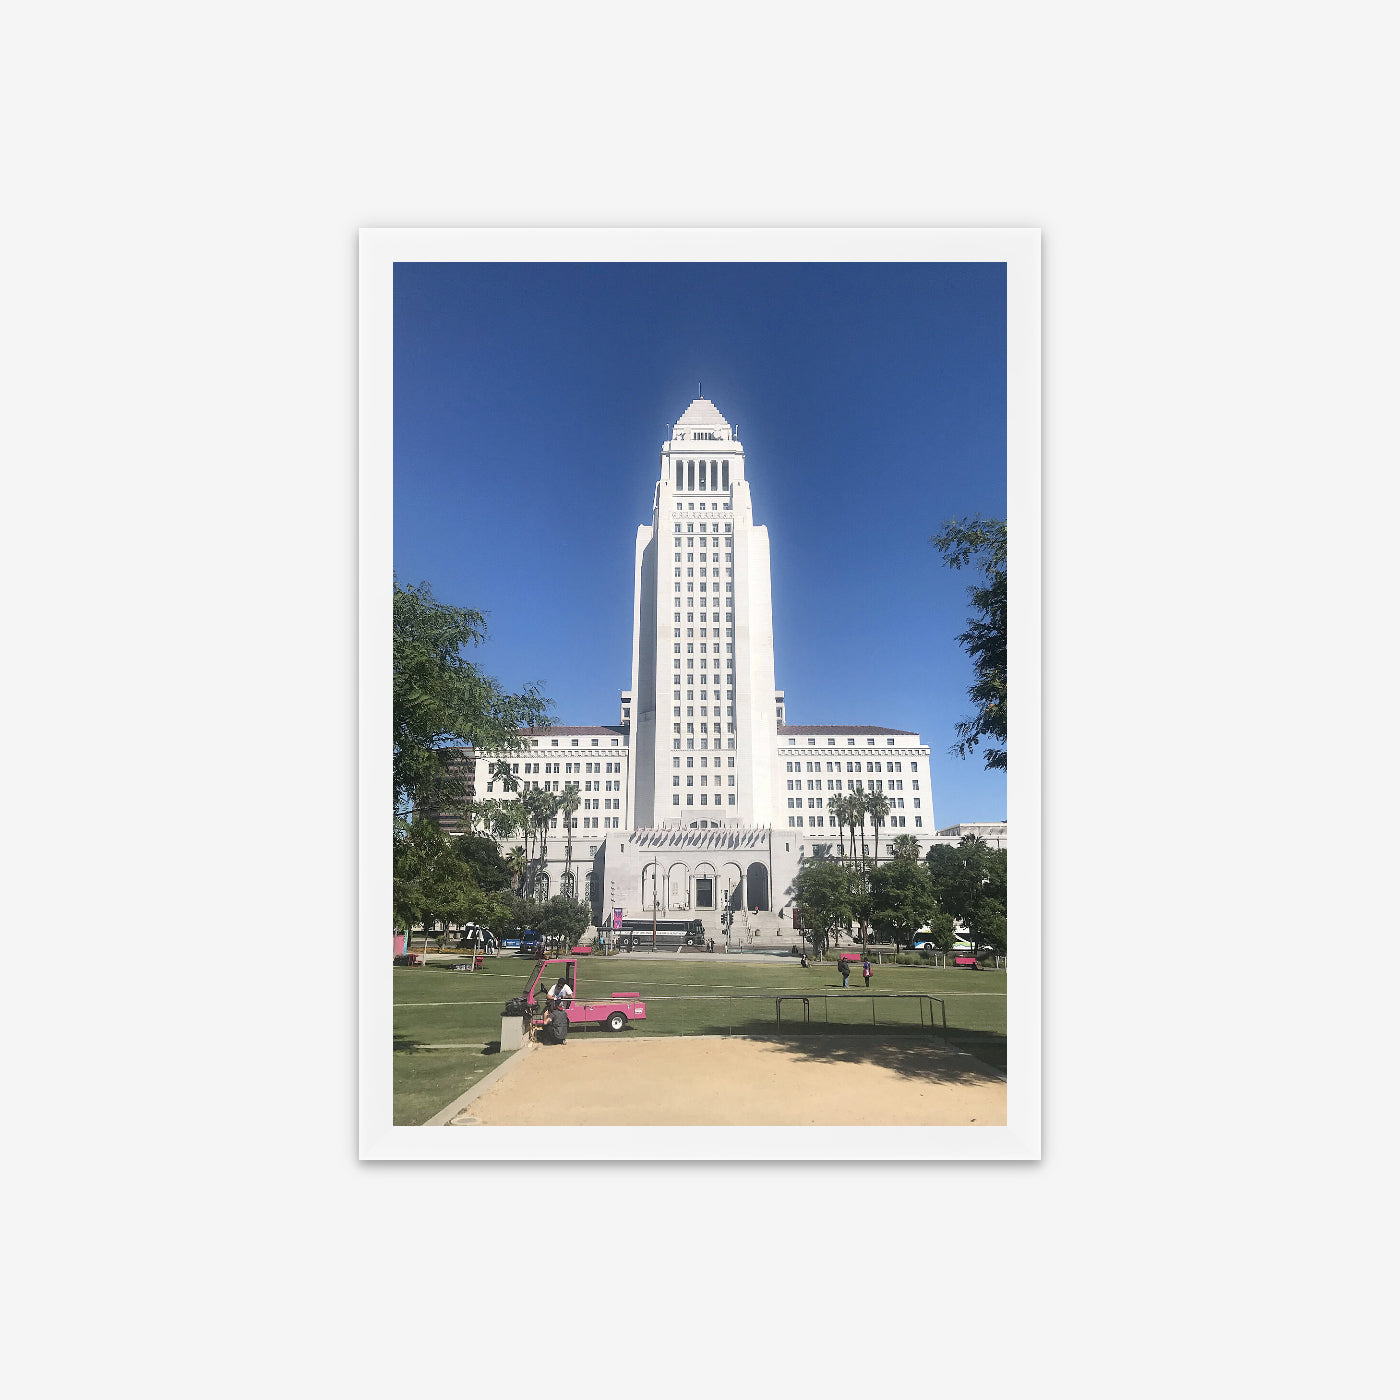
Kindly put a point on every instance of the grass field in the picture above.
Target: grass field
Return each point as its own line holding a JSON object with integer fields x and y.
{"x": 447, "y": 1024}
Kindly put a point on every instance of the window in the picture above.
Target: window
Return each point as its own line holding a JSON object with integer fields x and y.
{"x": 918, "y": 821}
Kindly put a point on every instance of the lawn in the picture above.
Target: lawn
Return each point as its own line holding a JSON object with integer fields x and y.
{"x": 461, "y": 1011}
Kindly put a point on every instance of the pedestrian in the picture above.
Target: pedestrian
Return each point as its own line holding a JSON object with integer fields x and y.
{"x": 865, "y": 969}
{"x": 845, "y": 965}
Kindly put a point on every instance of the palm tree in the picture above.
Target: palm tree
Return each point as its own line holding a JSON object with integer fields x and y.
{"x": 877, "y": 808}
{"x": 905, "y": 847}
{"x": 546, "y": 808}
{"x": 568, "y": 805}
{"x": 856, "y": 807}
{"x": 836, "y": 810}
{"x": 515, "y": 866}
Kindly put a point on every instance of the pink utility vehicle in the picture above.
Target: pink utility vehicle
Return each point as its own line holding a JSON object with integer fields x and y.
{"x": 613, "y": 1013}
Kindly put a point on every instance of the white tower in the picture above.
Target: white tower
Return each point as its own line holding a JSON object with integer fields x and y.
{"x": 703, "y": 698}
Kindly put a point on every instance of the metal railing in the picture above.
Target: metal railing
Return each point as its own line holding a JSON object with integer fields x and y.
{"x": 807, "y": 998}
{"x": 697, "y": 1014}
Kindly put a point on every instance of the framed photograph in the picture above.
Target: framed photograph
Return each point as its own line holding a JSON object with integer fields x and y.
{"x": 696, "y": 567}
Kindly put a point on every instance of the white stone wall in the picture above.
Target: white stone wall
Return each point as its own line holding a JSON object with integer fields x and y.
{"x": 851, "y": 759}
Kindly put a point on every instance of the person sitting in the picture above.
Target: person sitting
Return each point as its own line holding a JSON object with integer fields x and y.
{"x": 559, "y": 995}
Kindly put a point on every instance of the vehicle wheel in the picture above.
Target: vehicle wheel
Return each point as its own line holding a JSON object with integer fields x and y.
{"x": 616, "y": 1021}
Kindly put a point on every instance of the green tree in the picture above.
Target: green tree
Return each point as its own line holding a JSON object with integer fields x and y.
{"x": 822, "y": 889}
{"x": 439, "y": 879}
{"x": 563, "y": 920}
{"x": 857, "y": 807}
{"x": 982, "y": 542}
{"x": 515, "y": 863}
{"x": 568, "y": 805}
{"x": 442, "y": 700}
{"x": 903, "y": 900}
{"x": 905, "y": 847}
{"x": 969, "y": 880}
{"x": 836, "y": 812}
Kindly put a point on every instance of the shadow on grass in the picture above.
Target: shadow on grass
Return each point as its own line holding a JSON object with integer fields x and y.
{"x": 408, "y": 1046}
{"x": 911, "y": 1053}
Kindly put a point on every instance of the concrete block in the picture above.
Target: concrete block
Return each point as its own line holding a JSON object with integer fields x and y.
{"x": 512, "y": 1038}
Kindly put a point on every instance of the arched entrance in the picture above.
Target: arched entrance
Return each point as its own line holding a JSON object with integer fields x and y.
{"x": 653, "y": 887}
{"x": 731, "y": 882}
{"x": 678, "y": 887}
{"x": 758, "y": 886}
{"x": 706, "y": 894}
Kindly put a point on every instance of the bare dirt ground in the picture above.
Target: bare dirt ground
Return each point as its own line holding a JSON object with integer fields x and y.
{"x": 721, "y": 1081}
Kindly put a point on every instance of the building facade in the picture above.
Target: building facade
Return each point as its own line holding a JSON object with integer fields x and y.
{"x": 702, "y": 795}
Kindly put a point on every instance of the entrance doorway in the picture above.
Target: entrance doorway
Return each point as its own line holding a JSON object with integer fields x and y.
{"x": 758, "y": 886}
{"x": 704, "y": 893}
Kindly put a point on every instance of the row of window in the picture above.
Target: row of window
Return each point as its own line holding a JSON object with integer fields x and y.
{"x": 704, "y": 665}
{"x": 704, "y": 711}
{"x": 704, "y": 743}
{"x": 704, "y": 694}
{"x": 817, "y": 802}
{"x": 704, "y": 588}
{"x": 704, "y": 727}
{"x": 714, "y": 617}
{"x": 573, "y": 743}
{"x": 819, "y": 821}
{"x": 704, "y": 780}
{"x": 690, "y": 799}
{"x": 714, "y": 527}
{"x": 832, "y": 742}
{"x": 834, "y": 784}
{"x": 891, "y": 767}
{"x": 704, "y": 762}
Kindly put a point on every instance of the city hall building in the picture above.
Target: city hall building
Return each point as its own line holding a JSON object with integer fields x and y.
{"x": 701, "y": 796}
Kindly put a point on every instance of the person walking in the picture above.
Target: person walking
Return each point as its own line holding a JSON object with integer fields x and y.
{"x": 865, "y": 969}
{"x": 845, "y": 965}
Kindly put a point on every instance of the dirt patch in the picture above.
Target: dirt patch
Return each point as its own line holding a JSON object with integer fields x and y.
{"x": 739, "y": 1082}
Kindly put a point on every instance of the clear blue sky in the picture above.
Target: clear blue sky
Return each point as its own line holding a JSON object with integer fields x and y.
{"x": 530, "y": 404}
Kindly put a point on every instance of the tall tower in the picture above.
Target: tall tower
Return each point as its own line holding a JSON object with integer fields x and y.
{"x": 703, "y": 698}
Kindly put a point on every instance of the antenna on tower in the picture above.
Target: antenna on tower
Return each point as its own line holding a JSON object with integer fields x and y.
{"x": 701, "y": 388}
